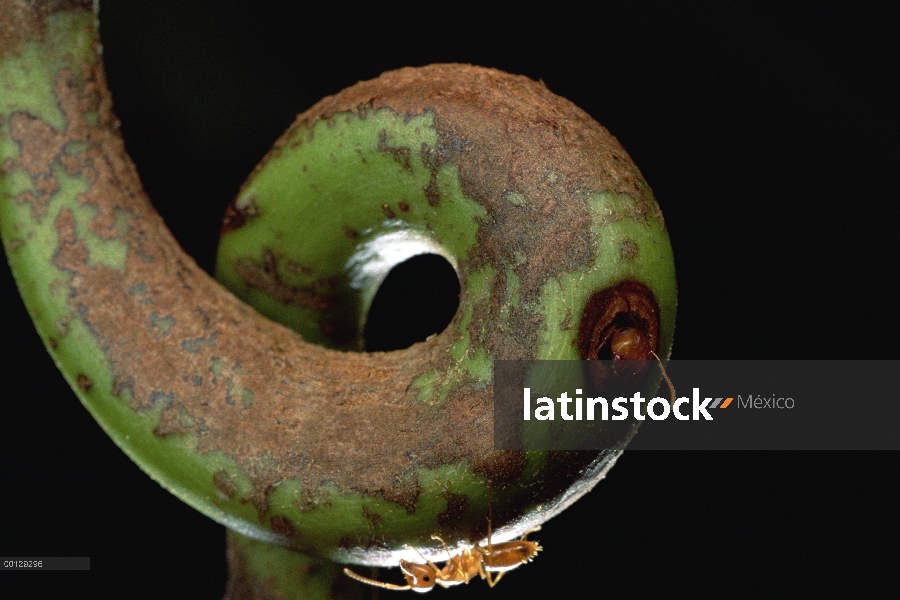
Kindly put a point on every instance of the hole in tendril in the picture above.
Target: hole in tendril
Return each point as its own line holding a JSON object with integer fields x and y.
{"x": 417, "y": 299}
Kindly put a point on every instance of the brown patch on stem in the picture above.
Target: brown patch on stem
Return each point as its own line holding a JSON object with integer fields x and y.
{"x": 224, "y": 484}
{"x": 404, "y": 491}
{"x": 282, "y": 526}
{"x": 401, "y": 154}
{"x": 265, "y": 277}
{"x": 84, "y": 382}
{"x": 237, "y": 216}
{"x": 628, "y": 250}
{"x": 24, "y": 21}
{"x": 457, "y": 504}
{"x": 372, "y": 518}
{"x": 501, "y": 466}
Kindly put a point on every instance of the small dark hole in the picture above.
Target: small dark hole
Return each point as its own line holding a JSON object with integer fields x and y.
{"x": 418, "y": 298}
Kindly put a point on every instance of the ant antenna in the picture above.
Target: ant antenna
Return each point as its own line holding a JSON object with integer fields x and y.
{"x": 490, "y": 513}
{"x": 372, "y": 582}
{"x": 665, "y": 376}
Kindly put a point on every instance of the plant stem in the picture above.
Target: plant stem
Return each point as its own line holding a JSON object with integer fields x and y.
{"x": 261, "y": 571}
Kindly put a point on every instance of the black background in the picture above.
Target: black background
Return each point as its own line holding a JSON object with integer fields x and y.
{"x": 767, "y": 136}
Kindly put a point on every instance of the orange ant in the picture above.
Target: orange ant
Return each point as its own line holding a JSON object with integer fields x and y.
{"x": 631, "y": 344}
{"x": 477, "y": 560}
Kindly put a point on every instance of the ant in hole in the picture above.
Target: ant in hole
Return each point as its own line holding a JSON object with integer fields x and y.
{"x": 631, "y": 344}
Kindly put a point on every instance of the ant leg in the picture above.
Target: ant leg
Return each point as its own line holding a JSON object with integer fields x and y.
{"x": 529, "y": 532}
{"x": 486, "y": 575}
{"x": 494, "y": 578}
{"x": 491, "y": 578}
{"x": 449, "y": 556}
{"x": 457, "y": 566}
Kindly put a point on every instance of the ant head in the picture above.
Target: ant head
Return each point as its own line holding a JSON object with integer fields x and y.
{"x": 419, "y": 577}
{"x": 630, "y": 343}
